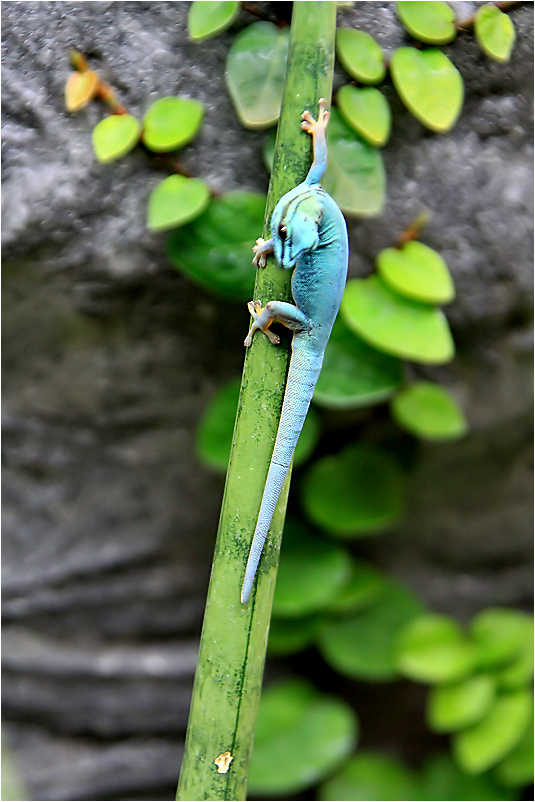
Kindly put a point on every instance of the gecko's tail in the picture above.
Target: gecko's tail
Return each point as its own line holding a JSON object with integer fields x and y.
{"x": 302, "y": 377}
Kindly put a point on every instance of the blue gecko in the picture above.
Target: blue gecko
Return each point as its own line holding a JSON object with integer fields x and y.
{"x": 309, "y": 235}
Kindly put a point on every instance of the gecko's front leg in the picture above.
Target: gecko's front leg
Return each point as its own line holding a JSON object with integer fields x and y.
{"x": 280, "y": 311}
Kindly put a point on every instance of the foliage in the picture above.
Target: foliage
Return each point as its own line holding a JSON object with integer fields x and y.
{"x": 427, "y": 410}
{"x": 495, "y": 32}
{"x": 207, "y": 19}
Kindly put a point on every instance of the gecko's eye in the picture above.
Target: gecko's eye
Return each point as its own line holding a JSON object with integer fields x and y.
{"x": 283, "y": 232}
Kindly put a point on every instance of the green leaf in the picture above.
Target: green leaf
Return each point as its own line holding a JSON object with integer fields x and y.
{"x": 215, "y": 250}
{"x": 520, "y": 672}
{"x": 367, "y": 112}
{"x": 394, "y": 324}
{"x": 171, "y": 122}
{"x": 501, "y": 635}
{"x": 432, "y": 22}
{"x": 353, "y": 374}
{"x": 302, "y": 736}
{"x": 115, "y": 136}
{"x": 364, "y": 587}
{"x": 495, "y": 32}
{"x": 362, "y": 646}
{"x": 456, "y": 706}
{"x": 516, "y": 768}
{"x": 292, "y": 635}
{"x": 255, "y": 70}
{"x": 360, "y": 55}
{"x": 427, "y": 410}
{"x": 434, "y": 649}
{"x": 207, "y": 19}
{"x": 356, "y": 492}
{"x": 355, "y": 175}
{"x": 175, "y": 201}
{"x": 481, "y": 746}
{"x": 429, "y": 85}
{"x": 417, "y": 272}
{"x": 442, "y": 779}
{"x": 371, "y": 776}
{"x": 310, "y": 574}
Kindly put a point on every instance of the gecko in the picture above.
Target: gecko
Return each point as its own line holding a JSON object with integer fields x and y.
{"x": 309, "y": 236}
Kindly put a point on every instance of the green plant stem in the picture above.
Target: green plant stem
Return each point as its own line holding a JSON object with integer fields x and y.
{"x": 228, "y": 680}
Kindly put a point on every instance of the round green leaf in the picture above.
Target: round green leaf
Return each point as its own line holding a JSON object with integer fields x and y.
{"x": 362, "y": 646}
{"x": 353, "y": 374}
{"x": 520, "y": 672}
{"x": 367, "y": 112}
{"x": 456, "y": 706}
{"x": 175, "y": 201}
{"x": 370, "y": 776}
{"x": 432, "y": 21}
{"x": 364, "y": 587}
{"x": 360, "y": 55}
{"x": 481, "y": 746}
{"x": 207, "y": 19}
{"x": 429, "y": 85}
{"x": 115, "y": 136}
{"x": 434, "y": 649}
{"x": 216, "y": 252}
{"x": 443, "y": 779}
{"x": 171, "y": 122}
{"x": 495, "y": 32}
{"x": 394, "y": 324}
{"x": 292, "y": 635}
{"x": 516, "y": 768}
{"x": 255, "y": 72}
{"x": 355, "y": 175}
{"x": 428, "y": 410}
{"x": 417, "y": 272}
{"x": 356, "y": 492}
{"x": 311, "y": 572}
{"x": 301, "y": 737}
{"x": 501, "y": 635}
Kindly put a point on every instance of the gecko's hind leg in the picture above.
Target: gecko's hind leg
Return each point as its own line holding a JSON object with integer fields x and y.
{"x": 281, "y": 312}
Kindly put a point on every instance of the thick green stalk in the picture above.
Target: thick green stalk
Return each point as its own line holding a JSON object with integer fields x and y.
{"x": 228, "y": 681}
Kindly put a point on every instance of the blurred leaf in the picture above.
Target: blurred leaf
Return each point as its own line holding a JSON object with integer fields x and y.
{"x": 394, "y": 324}
{"x": 255, "y": 72}
{"x": 364, "y": 587}
{"x": 356, "y": 492}
{"x": 268, "y": 151}
{"x": 362, "y": 646}
{"x": 495, "y": 32}
{"x": 442, "y": 779}
{"x": 355, "y": 175}
{"x": 80, "y": 89}
{"x": 418, "y": 272}
{"x": 432, "y": 22}
{"x": 370, "y": 776}
{"x": 291, "y": 635}
{"x": 215, "y": 250}
{"x": 311, "y": 571}
{"x": 175, "y": 201}
{"x": 171, "y": 122}
{"x": 501, "y": 634}
{"x": 12, "y": 785}
{"x": 427, "y": 410}
{"x": 481, "y": 746}
{"x": 456, "y": 706}
{"x": 354, "y": 374}
{"x": 301, "y": 737}
{"x": 367, "y": 112}
{"x": 516, "y": 768}
{"x": 115, "y": 136}
{"x": 429, "y": 85}
{"x": 434, "y": 649}
{"x": 360, "y": 55}
{"x": 520, "y": 672}
{"x": 207, "y": 19}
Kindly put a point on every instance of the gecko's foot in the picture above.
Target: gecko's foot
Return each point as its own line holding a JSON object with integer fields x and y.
{"x": 260, "y": 250}
{"x": 261, "y": 322}
{"x": 310, "y": 125}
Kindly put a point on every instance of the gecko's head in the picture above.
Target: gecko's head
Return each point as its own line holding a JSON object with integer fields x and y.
{"x": 294, "y": 227}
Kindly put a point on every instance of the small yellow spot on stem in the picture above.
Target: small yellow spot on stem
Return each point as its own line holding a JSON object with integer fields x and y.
{"x": 223, "y": 762}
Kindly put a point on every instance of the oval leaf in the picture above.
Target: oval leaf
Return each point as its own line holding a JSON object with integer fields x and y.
{"x": 80, "y": 89}
{"x": 356, "y": 492}
{"x": 394, "y": 324}
{"x": 171, "y": 122}
{"x": 501, "y": 635}
{"x": 217, "y": 253}
{"x": 175, "y": 201}
{"x": 207, "y": 19}
{"x": 418, "y": 272}
{"x": 367, "y": 112}
{"x": 353, "y": 374}
{"x": 291, "y": 635}
{"x": 495, "y": 33}
{"x": 443, "y": 779}
{"x": 371, "y": 776}
{"x": 432, "y": 21}
{"x": 434, "y": 649}
{"x": 516, "y": 769}
{"x": 429, "y": 85}
{"x": 115, "y": 136}
{"x": 355, "y": 175}
{"x": 360, "y": 55}
{"x": 255, "y": 72}
{"x": 428, "y": 410}
{"x": 456, "y": 706}
{"x": 301, "y": 737}
{"x": 364, "y": 587}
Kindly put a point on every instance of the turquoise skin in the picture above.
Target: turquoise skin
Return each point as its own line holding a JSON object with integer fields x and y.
{"x": 309, "y": 235}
